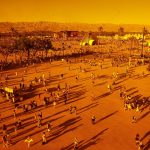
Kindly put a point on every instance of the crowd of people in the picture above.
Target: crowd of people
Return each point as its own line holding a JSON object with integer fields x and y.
{"x": 61, "y": 95}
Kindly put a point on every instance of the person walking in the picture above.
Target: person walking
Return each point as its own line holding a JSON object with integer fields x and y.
{"x": 137, "y": 139}
{"x": 44, "y": 139}
{"x": 76, "y": 143}
{"x": 28, "y": 141}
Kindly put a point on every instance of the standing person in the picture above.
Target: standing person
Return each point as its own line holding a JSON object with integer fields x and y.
{"x": 44, "y": 139}
{"x": 39, "y": 80}
{"x": 75, "y": 110}
{"x": 39, "y": 95}
{"x": 28, "y": 141}
{"x": 39, "y": 122}
{"x": 140, "y": 146}
{"x": 14, "y": 113}
{"x": 58, "y": 87}
{"x": 65, "y": 96}
{"x": 49, "y": 127}
{"x": 35, "y": 117}
{"x": 134, "y": 119}
{"x": 61, "y": 76}
{"x": 76, "y": 143}
{"x": 4, "y": 128}
{"x": 137, "y": 108}
{"x": 44, "y": 83}
{"x": 16, "y": 127}
{"x": 65, "y": 100}
{"x": 77, "y": 77}
{"x": 8, "y": 139}
{"x": 137, "y": 139}
{"x": 101, "y": 65}
{"x": 54, "y": 103}
{"x": 57, "y": 97}
{"x": 4, "y": 141}
{"x": 109, "y": 87}
{"x": 40, "y": 114}
{"x": 19, "y": 123}
{"x": 43, "y": 76}
{"x": 93, "y": 119}
{"x": 121, "y": 93}
{"x": 70, "y": 109}
{"x": 93, "y": 81}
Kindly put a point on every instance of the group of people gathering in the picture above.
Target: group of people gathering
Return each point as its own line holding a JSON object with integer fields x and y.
{"x": 61, "y": 94}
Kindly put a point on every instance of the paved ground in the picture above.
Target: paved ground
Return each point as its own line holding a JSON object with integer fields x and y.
{"x": 113, "y": 129}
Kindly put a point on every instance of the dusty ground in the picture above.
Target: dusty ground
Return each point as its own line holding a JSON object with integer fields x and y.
{"x": 113, "y": 129}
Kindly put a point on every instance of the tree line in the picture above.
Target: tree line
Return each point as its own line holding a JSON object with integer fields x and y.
{"x": 25, "y": 46}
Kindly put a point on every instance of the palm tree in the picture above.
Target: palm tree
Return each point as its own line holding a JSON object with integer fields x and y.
{"x": 101, "y": 31}
{"x": 145, "y": 31}
{"x": 131, "y": 39}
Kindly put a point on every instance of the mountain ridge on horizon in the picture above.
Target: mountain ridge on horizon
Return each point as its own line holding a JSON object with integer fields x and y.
{"x": 60, "y": 26}
{"x": 72, "y": 22}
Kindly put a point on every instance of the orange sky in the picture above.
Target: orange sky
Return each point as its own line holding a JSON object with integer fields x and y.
{"x": 85, "y": 11}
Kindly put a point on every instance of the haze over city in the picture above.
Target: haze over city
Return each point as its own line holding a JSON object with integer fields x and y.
{"x": 80, "y": 11}
{"x": 74, "y": 74}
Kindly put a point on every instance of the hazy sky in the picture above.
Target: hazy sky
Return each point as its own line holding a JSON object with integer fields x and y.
{"x": 85, "y": 11}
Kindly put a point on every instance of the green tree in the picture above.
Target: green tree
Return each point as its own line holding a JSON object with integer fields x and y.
{"x": 24, "y": 44}
{"x": 100, "y": 30}
{"x": 6, "y": 50}
{"x": 121, "y": 31}
{"x": 47, "y": 45}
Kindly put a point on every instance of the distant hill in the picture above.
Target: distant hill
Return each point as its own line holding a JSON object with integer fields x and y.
{"x": 53, "y": 26}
